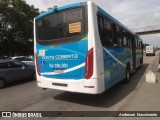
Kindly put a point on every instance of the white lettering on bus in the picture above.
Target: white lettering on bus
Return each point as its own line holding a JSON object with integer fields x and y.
{"x": 48, "y": 57}
{"x": 60, "y": 66}
{"x": 57, "y": 57}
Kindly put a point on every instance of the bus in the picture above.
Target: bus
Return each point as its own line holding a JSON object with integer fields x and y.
{"x": 81, "y": 48}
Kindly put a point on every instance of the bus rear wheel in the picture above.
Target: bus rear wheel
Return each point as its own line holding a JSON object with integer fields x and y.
{"x": 127, "y": 74}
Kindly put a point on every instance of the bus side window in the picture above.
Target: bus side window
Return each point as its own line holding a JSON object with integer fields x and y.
{"x": 115, "y": 35}
{"x": 100, "y": 27}
{"x": 108, "y": 33}
{"x": 140, "y": 44}
{"x": 119, "y": 37}
{"x": 124, "y": 39}
{"x": 128, "y": 40}
{"x": 136, "y": 43}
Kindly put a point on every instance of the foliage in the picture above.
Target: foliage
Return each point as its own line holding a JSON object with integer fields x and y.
{"x": 50, "y": 8}
{"x": 16, "y": 27}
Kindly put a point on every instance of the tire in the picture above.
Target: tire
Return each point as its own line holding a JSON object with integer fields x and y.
{"x": 127, "y": 74}
{"x": 2, "y": 83}
{"x": 33, "y": 75}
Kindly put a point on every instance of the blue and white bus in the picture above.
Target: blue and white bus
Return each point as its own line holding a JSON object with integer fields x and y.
{"x": 81, "y": 48}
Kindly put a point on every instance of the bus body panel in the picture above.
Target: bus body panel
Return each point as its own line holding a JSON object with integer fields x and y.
{"x": 63, "y": 61}
{"x": 115, "y": 60}
{"x": 115, "y": 63}
{"x": 93, "y": 41}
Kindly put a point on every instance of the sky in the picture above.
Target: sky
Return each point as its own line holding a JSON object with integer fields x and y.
{"x": 131, "y": 13}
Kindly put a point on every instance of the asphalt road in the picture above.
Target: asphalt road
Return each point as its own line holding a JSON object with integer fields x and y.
{"x": 26, "y": 96}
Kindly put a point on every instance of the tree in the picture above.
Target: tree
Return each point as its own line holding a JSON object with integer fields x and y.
{"x": 16, "y": 25}
{"x": 50, "y": 8}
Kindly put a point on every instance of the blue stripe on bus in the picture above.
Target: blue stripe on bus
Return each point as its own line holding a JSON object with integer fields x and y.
{"x": 113, "y": 71}
{"x": 61, "y": 8}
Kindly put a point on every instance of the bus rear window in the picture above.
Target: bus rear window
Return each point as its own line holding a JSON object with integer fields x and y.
{"x": 61, "y": 24}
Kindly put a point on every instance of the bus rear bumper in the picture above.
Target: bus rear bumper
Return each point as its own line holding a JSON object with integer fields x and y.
{"x": 68, "y": 85}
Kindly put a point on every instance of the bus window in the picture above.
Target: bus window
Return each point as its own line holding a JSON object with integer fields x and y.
{"x": 134, "y": 42}
{"x": 140, "y": 44}
{"x": 119, "y": 36}
{"x": 115, "y": 35}
{"x": 128, "y": 39}
{"x": 137, "y": 43}
{"x": 59, "y": 25}
{"x": 100, "y": 27}
{"x": 124, "y": 39}
{"x": 107, "y": 33}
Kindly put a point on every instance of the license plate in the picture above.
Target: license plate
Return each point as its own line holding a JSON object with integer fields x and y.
{"x": 58, "y": 71}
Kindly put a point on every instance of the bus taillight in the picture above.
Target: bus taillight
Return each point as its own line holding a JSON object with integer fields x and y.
{"x": 38, "y": 71}
{"x": 89, "y": 64}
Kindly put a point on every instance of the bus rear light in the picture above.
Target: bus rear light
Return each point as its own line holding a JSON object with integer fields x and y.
{"x": 38, "y": 70}
{"x": 89, "y": 64}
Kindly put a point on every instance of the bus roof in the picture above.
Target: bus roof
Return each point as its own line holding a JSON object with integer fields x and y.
{"x": 62, "y": 8}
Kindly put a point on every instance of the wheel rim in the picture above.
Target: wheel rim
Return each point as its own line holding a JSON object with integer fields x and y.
{"x": 1, "y": 83}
